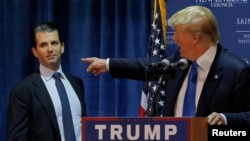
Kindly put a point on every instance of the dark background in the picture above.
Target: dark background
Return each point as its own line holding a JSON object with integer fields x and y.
{"x": 101, "y": 28}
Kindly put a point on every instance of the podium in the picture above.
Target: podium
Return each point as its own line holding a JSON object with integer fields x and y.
{"x": 144, "y": 129}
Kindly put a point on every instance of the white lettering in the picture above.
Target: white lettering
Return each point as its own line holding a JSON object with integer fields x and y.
{"x": 137, "y": 132}
{"x": 215, "y": 132}
{"x": 246, "y": 36}
{"x": 149, "y": 134}
{"x": 243, "y": 41}
{"x": 231, "y": 133}
{"x": 243, "y": 21}
{"x": 170, "y": 130}
{"x": 221, "y": 5}
{"x": 100, "y": 129}
{"x": 201, "y": 1}
{"x": 116, "y": 130}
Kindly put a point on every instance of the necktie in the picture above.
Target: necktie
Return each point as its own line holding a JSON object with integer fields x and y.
{"x": 69, "y": 132}
{"x": 189, "y": 100}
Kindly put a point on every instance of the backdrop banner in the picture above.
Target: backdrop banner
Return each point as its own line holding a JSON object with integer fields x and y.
{"x": 233, "y": 17}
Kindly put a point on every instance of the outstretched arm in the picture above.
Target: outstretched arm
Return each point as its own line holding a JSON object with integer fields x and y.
{"x": 96, "y": 65}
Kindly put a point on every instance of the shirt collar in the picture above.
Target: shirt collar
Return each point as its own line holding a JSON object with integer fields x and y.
{"x": 47, "y": 73}
{"x": 205, "y": 61}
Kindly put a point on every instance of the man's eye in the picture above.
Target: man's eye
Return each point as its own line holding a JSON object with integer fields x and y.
{"x": 55, "y": 43}
{"x": 43, "y": 45}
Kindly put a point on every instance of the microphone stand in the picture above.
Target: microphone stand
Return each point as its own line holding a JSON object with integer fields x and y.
{"x": 161, "y": 74}
{"x": 154, "y": 97}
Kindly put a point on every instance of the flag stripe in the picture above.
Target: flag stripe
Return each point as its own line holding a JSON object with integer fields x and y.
{"x": 143, "y": 105}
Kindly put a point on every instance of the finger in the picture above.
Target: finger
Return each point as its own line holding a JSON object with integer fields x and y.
{"x": 211, "y": 118}
{"x": 219, "y": 123}
{"x": 213, "y": 122}
{"x": 91, "y": 68}
{"x": 93, "y": 71}
{"x": 216, "y": 120}
{"x": 97, "y": 73}
{"x": 88, "y": 60}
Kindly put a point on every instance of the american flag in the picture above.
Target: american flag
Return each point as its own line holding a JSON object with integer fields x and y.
{"x": 157, "y": 47}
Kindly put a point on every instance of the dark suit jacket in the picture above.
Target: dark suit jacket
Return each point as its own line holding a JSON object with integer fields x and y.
{"x": 226, "y": 89}
{"x": 31, "y": 115}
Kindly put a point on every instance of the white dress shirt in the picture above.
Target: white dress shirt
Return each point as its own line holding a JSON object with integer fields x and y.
{"x": 205, "y": 61}
{"x": 75, "y": 106}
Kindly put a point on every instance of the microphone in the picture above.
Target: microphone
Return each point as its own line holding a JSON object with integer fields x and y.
{"x": 163, "y": 64}
{"x": 164, "y": 70}
{"x": 182, "y": 64}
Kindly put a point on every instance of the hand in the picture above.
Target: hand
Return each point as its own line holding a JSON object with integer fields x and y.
{"x": 216, "y": 119}
{"x": 96, "y": 66}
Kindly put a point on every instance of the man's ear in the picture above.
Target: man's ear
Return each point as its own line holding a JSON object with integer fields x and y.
{"x": 196, "y": 37}
{"x": 34, "y": 51}
{"x": 63, "y": 48}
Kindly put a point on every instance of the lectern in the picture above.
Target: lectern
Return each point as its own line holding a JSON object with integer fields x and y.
{"x": 144, "y": 129}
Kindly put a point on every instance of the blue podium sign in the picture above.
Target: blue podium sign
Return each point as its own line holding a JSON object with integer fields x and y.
{"x": 143, "y": 129}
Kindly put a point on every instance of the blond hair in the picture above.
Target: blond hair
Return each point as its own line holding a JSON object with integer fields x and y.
{"x": 197, "y": 19}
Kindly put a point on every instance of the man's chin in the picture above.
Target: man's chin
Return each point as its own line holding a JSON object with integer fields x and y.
{"x": 52, "y": 62}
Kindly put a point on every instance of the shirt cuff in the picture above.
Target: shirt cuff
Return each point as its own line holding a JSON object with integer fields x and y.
{"x": 107, "y": 64}
{"x": 224, "y": 117}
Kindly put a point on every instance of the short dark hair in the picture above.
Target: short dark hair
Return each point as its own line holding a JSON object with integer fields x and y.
{"x": 44, "y": 27}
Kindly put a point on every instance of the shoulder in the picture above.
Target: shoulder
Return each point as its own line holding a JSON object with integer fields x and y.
{"x": 28, "y": 80}
{"x": 229, "y": 58}
{"x": 72, "y": 77}
{"x": 26, "y": 86}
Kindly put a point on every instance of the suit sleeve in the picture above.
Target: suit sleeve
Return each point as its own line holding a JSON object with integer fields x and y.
{"x": 242, "y": 100}
{"x": 131, "y": 68}
{"x": 18, "y": 116}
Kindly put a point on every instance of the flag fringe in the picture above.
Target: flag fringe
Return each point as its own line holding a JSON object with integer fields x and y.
{"x": 163, "y": 14}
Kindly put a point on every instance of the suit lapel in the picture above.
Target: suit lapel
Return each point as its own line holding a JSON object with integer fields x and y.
{"x": 172, "y": 91}
{"x": 42, "y": 94}
{"x": 213, "y": 80}
{"x": 78, "y": 91}
{"x": 209, "y": 88}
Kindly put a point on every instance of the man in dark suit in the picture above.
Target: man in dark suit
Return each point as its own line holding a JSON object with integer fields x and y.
{"x": 222, "y": 90}
{"x": 35, "y": 110}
